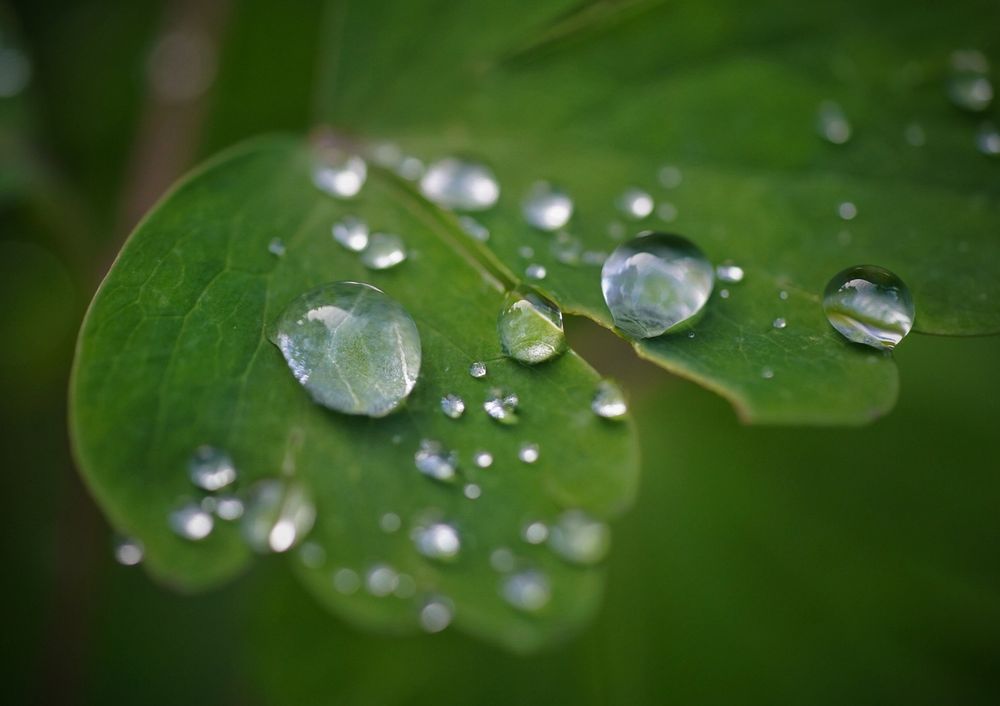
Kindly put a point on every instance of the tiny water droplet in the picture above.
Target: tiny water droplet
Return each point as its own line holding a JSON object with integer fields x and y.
{"x": 381, "y": 580}
{"x": 472, "y": 491}
{"x": 312, "y": 555}
{"x": 547, "y": 207}
{"x": 278, "y": 515}
{"x": 767, "y": 373}
{"x": 228, "y": 508}
{"x": 670, "y": 176}
{"x": 352, "y": 347}
{"x": 128, "y": 552}
{"x": 434, "y": 461}
{"x": 346, "y": 581}
{"x": 390, "y": 522}
{"x": 438, "y": 541}
{"x": 535, "y": 271}
{"x": 635, "y": 204}
{"x": 914, "y": 135}
{"x": 691, "y": 334}
{"x": 528, "y": 453}
{"x": 352, "y": 233}
{"x": 535, "y": 532}
{"x": 729, "y": 273}
{"x": 501, "y": 406}
{"x": 478, "y": 369}
{"x": 970, "y": 91}
{"x": 667, "y": 212}
{"x": 782, "y": 295}
{"x": 453, "y": 406}
{"x": 847, "y": 210}
{"x": 530, "y": 328}
{"x": 384, "y": 250}
{"x": 579, "y": 538}
{"x": 609, "y": 400}
{"x": 460, "y": 184}
{"x": 724, "y": 293}
{"x": 779, "y": 323}
{"x": 656, "y": 283}
{"x": 502, "y": 559}
{"x": 526, "y": 590}
{"x": 832, "y": 124}
{"x": 483, "y": 459}
{"x": 436, "y": 614}
{"x": 474, "y": 229}
{"x": 988, "y": 140}
{"x": 191, "y": 522}
{"x": 211, "y": 469}
{"x": 339, "y": 173}
{"x": 276, "y": 247}
{"x": 870, "y": 305}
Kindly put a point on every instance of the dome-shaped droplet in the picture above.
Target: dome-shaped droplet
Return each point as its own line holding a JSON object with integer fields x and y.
{"x": 869, "y": 305}
{"x": 211, "y": 469}
{"x": 477, "y": 369}
{"x": 501, "y": 406}
{"x": 339, "y": 173}
{"x": 579, "y": 538}
{"x": 384, "y": 250}
{"x": 609, "y": 401}
{"x": 635, "y": 204}
{"x": 970, "y": 91}
{"x": 351, "y": 346}
{"x": 655, "y": 283}
{"x": 352, "y": 233}
{"x": 832, "y": 124}
{"x": 526, "y": 590}
{"x": 438, "y": 540}
{"x": 459, "y": 184}
{"x": 434, "y": 461}
{"x": 547, "y": 207}
{"x": 278, "y": 515}
{"x": 530, "y": 328}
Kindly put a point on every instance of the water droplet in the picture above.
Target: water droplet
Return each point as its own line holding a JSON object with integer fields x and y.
{"x": 453, "y": 406}
{"x": 390, "y": 522}
{"x": 783, "y": 295}
{"x": 970, "y": 91}
{"x": 547, "y": 207}
{"x": 410, "y": 168}
{"x": 767, "y": 373}
{"x": 779, "y": 323}
{"x": 434, "y": 461}
{"x": 847, "y": 210}
{"x": 670, "y": 176}
{"x": 352, "y": 233}
{"x": 459, "y": 184}
{"x": 526, "y": 590}
{"x": 635, "y": 204}
{"x": 530, "y": 328}
{"x": 667, "y": 212}
{"x": 729, "y": 273}
{"x": 535, "y": 271}
{"x": 472, "y": 491}
{"x": 339, "y": 173}
{"x": 381, "y": 580}
{"x": 535, "y": 532}
{"x": 128, "y": 552}
{"x": 528, "y": 453}
{"x": 473, "y": 228}
{"x": 228, "y": 507}
{"x": 502, "y": 559}
{"x": 483, "y": 459}
{"x": 502, "y": 406}
{"x": 437, "y": 541}
{"x": 914, "y": 135}
{"x": 346, "y": 581}
{"x": 869, "y": 305}
{"x": 351, "y": 346}
{"x": 211, "y": 469}
{"x": 609, "y": 401}
{"x": 384, "y": 250}
{"x": 656, "y": 283}
{"x": 190, "y": 521}
{"x": 436, "y": 614}
{"x": 278, "y": 515}
{"x": 276, "y": 247}
{"x": 724, "y": 293}
{"x": 579, "y": 538}
{"x": 988, "y": 140}
{"x": 15, "y": 71}
{"x": 312, "y": 555}
{"x": 478, "y": 369}
{"x": 691, "y": 334}
{"x": 832, "y": 123}
{"x": 526, "y": 251}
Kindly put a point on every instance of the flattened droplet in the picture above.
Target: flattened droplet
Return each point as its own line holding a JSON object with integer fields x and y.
{"x": 501, "y": 406}
{"x": 211, "y": 469}
{"x": 460, "y": 184}
{"x": 352, "y": 347}
{"x": 869, "y": 305}
{"x": 530, "y": 328}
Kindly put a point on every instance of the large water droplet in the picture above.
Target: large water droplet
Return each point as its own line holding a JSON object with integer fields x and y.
{"x": 211, "y": 469}
{"x": 384, "y": 250}
{"x": 530, "y": 328}
{"x": 339, "y": 173}
{"x": 655, "y": 283}
{"x": 502, "y": 406}
{"x": 128, "y": 552}
{"x": 869, "y": 305}
{"x": 192, "y": 522}
{"x": 278, "y": 515}
{"x": 434, "y": 461}
{"x": 609, "y": 401}
{"x": 351, "y": 346}
{"x": 579, "y": 538}
{"x": 459, "y": 184}
{"x": 832, "y": 124}
{"x": 526, "y": 590}
{"x": 970, "y": 91}
{"x": 635, "y": 204}
{"x": 547, "y": 207}
{"x": 438, "y": 540}
{"x": 352, "y": 233}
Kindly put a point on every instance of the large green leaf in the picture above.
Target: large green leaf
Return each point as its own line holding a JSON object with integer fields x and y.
{"x": 599, "y": 97}
{"x": 173, "y": 354}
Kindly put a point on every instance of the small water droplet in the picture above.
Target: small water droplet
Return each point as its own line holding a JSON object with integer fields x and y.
{"x": 352, "y": 347}
{"x": 472, "y": 491}
{"x": 211, "y": 469}
{"x": 346, "y": 581}
{"x": 635, "y": 204}
{"x": 767, "y": 373}
{"x": 526, "y": 590}
{"x": 276, "y": 247}
{"x": 869, "y": 305}
{"x": 453, "y": 406}
{"x": 390, "y": 522}
{"x": 782, "y": 295}
{"x": 352, "y": 233}
{"x": 547, "y": 207}
{"x": 436, "y": 614}
{"x": 278, "y": 515}
{"x": 914, "y": 135}
{"x": 667, "y": 212}
{"x": 478, "y": 369}
{"x": 411, "y": 168}
{"x": 501, "y": 406}
{"x": 434, "y": 461}
{"x": 535, "y": 532}
{"x": 724, "y": 293}
{"x": 438, "y": 541}
{"x": 528, "y": 453}
{"x": 381, "y": 580}
{"x": 535, "y": 271}
{"x": 656, "y": 283}
{"x": 832, "y": 124}
{"x": 729, "y": 273}
{"x": 970, "y": 91}
{"x": 847, "y": 210}
{"x": 339, "y": 173}
{"x": 384, "y": 250}
{"x": 579, "y": 538}
{"x": 609, "y": 400}
{"x": 691, "y": 334}
{"x": 312, "y": 555}
{"x": 128, "y": 552}
{"x": 779, "y": 323}
{"x": 483, "y": 459}
{"x": 530, "y": 328}
{"x": 502, "y": 559}
{"x": 670, "y": 176}
{"x": 460, "y": 184}
{"x": 988, "y": 140}
{"x": 474, "y": 229}
{"x": 191, "y": 522}
{"x": 228, "y": 508}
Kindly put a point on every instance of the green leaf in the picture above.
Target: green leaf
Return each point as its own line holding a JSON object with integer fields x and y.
{"x": 599, "y": 97}
{"x": 173, "y": 354}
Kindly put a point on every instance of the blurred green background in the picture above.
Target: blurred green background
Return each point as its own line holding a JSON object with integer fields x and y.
{"x": 758, "y": 566}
